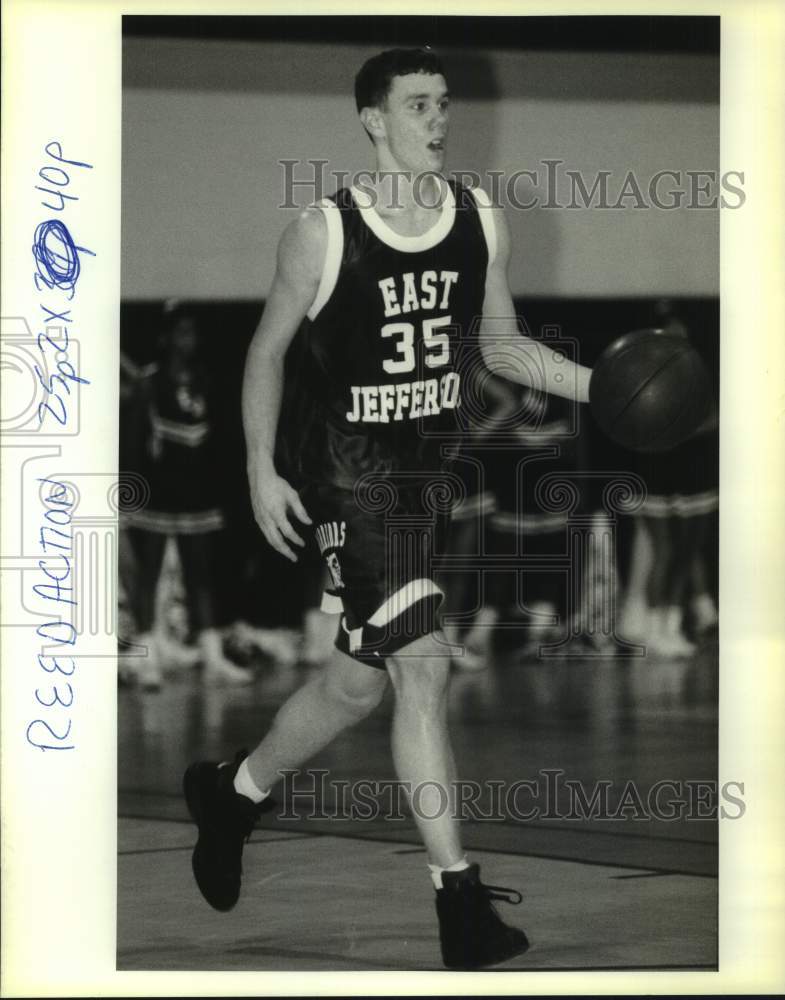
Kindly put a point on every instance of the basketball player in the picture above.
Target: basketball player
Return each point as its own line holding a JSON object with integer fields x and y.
{"x": 390, "y": 277}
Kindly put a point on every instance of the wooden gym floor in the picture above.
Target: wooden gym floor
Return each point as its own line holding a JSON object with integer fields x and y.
{"x": 354, "y": 894}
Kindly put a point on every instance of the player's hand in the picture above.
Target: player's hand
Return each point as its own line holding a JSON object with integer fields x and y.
{"x": 272, "y": 499}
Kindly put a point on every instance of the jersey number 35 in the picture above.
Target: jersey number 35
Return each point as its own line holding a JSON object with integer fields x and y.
{"x": 437, "y": 345}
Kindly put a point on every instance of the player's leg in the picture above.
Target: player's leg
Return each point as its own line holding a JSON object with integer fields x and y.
{"x": 148, "y": 547}
{"x": 318, "y": 626}
{"x": 471, "y": 932}
{"x": 687, "y": 540}
{"x": 198, "y": 562}
{"x": 657, "y": 529}
{"x": 127, "y": 601}
{"x": 462, "y": 594}
{"x": 634, "y": 618}
{"x": 543, "y": 595}
{"x": 226, "y": 799}
{"x": 704, "y": 503}
{"x": 464, "y": 598}
{"x": 675, "y": 642}
{"x": 683, "y": 462}
{"x": 421, "y": 744}
{"x": 702, "y": 603}
{"x": 665, "y": 636}
{"x": 340, "y": 695}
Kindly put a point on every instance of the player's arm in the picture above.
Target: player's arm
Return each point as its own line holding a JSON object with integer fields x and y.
{"x": 509, "y": 353}
{"x": 299, "y": 265}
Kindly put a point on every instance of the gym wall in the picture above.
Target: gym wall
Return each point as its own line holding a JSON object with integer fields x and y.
{"x": 205, "y": 123}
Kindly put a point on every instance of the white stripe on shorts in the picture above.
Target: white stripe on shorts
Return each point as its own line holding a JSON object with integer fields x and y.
{"x": 414, "y": 590}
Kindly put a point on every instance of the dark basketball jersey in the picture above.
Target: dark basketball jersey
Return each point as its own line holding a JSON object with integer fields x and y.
{"x": 381, "y": 359}
{"x": 178, "y": 459}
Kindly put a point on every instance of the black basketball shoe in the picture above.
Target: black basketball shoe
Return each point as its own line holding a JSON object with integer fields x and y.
{"x": 471, "y": 931}
{"x": 225, "y": 821}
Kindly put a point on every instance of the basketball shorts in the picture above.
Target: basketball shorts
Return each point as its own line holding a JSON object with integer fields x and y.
{"x": 682, "y": 482}
{"x": 379, "y": 547}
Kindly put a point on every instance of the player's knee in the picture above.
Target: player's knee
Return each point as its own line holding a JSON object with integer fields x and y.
{"x": 423, "y": 679}
{"x": 358, "y": 695}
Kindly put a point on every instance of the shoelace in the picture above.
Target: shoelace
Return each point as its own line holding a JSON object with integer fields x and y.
{"x": 503, "y": 894}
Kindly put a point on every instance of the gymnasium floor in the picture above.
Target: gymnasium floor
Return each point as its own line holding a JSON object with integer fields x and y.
{"x": 354, "y": 894}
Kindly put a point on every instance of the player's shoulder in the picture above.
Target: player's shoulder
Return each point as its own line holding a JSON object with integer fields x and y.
{"x": 302, "y": 246}
{"x": 307, "y": 231}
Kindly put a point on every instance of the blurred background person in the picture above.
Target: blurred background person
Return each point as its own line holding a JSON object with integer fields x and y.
{"x": 177, "y": 454}
{"x": 541, "y": 428}
{"x": 668, "y": 587}
{"x": 523, "y": 435}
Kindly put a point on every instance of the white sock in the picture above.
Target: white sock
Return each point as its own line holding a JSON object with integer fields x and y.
{"x": 436, "y": 871}
{"x": 245, "y": 785}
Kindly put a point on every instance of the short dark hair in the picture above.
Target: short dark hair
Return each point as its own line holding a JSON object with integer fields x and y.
{"x": 372, "y": 83}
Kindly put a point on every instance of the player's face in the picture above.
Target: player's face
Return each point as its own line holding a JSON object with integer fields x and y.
{"x": 416, "y": 117}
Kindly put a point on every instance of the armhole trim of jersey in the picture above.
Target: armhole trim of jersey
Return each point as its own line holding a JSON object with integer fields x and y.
{"x": 485, "y": 211}
{"x": 332, "y": 256}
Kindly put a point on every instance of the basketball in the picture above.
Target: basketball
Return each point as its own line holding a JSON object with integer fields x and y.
{"x": 650, "y": 390}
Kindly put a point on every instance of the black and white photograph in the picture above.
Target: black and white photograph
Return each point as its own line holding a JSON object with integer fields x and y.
{"x": 392, "y": 487}
{"x": 419, "y": 603}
